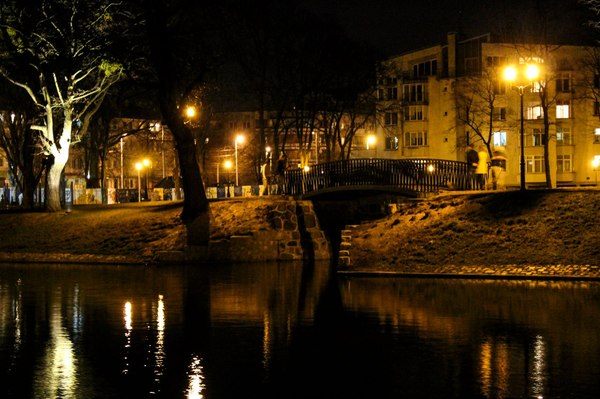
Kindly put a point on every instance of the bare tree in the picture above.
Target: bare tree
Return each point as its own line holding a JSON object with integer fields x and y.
{"x": 477, "y": 104}
{"x": 63, "y": 44}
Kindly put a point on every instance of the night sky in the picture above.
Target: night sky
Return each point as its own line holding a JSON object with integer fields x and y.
{"x": 396, "y": 26}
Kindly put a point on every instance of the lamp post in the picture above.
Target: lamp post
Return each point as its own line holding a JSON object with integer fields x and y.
{"x": 138, "y": 167}
{"x": 227, "y": 166}
{"x": 121, "y": 163}
{"x": 510, "y": 74}
{"x": 146, "y": 164}
{"x": 238, "y": 139}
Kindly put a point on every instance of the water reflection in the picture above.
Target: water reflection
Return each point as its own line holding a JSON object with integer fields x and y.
{"x": 56, "y": 374}
{"x": 291, "y": 331}
{"x": 518, "y": 324}
{"x": 195, "y": 379}
{"x": 159, "y": 350}
{"x": 128, "y": 328}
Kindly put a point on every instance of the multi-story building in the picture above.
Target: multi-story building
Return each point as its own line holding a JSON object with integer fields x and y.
{"x": 434, "y": 101}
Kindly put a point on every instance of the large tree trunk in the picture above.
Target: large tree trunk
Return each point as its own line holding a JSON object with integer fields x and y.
{"x": 58, "y": 160}
{"x": 195, "y": 213}
{"x": 54, "y": 179}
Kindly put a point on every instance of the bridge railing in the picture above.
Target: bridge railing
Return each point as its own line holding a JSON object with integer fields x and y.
{"x": 415, "y": 175}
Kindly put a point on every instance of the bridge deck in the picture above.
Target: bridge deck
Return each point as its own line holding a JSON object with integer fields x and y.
{"x": 395, "y": 175}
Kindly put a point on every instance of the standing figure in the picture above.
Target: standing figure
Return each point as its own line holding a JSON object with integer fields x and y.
{"x": 472, "y": 161}
{"x": 482, "y": 167}
{"x": 265, "y": 171}
{"x": 280, "y": 172}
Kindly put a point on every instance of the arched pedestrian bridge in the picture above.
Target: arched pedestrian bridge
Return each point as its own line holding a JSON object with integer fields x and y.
{"x": 408, "y": 176}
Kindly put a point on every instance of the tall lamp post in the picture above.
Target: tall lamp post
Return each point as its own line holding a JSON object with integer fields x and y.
{"x": 238, "y": 139}
{"x": 510, "y": 74}
{"x": 121, "y": 141}
{"x": 138, "y": 167}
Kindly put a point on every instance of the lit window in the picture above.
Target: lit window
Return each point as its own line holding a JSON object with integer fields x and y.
{"x": 562, "y": 109}
{"x": 597, "y": 135}
{"x": 535, "y": 163}
{"x": 499, "y": 139}
{"x": 535, "y": 112}
{"x": 564, "y": 163}
{"x": 536, "y": 87}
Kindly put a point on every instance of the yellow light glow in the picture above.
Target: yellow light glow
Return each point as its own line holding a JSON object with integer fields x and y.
{"x": 532, "y": 72}
{"x": 510, "y": 73}
{"x": 138, "y": 165}
{"x": 306, "y": 168}
{"x": 240, "y": 138}
{"x": 371, "y": 141}
{"x": 268, "y": 149}
{"x": 596, "y": 162}
{"x": 190, "y": 111}
{"x": 227, "y": 164}
{"x": 146, "y": 162}
{"x": 430, "y": 168}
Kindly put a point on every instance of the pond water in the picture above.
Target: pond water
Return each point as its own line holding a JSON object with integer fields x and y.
{"x": 291, "y": 331}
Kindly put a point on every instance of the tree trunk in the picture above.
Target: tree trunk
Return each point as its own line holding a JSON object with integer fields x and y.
{"x": 195, "y": 213}
{"x": 53, "y": 187}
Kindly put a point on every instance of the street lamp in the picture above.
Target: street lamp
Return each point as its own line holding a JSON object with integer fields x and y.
{"x": 370, "y": 141}
{"x": 138, "y": 167}
{"x": 510, "y": 74}
{"x": 227, "y": 166}
{"x": 238, "y": 139}
{"x": 190, "y": 111}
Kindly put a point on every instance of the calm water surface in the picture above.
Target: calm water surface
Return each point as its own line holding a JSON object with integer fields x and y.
{"x": 291, "y": 331}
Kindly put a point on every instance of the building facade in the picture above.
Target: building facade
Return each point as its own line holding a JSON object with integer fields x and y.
{"x": 434, "y": 101}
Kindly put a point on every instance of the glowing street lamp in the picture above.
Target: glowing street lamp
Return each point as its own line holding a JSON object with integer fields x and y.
{"x": 371, "y": 141}
{"x": 190, "y": 111}
{"x": 238, "y": 139}
{"x": 511, "y": 74}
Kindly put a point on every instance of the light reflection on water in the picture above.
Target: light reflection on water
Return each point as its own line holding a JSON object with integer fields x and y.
{"x": 288, "y": 331}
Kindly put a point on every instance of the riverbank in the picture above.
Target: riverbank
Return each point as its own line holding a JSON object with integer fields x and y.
{"x": 536, "y": 233}
{"x": 533, "y": 233}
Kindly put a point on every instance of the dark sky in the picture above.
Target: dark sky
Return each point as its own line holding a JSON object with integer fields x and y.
{"x": 396, "y": 26}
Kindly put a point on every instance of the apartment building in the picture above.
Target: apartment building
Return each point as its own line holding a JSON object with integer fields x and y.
{"x": 432, "y": 102}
